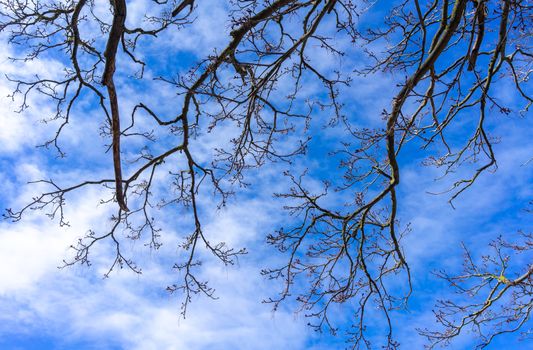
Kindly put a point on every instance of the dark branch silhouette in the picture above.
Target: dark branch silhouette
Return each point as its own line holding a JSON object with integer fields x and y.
{"x": 447, "y": 58}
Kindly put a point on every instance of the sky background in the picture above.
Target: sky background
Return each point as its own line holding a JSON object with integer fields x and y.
{"x": 43, "y": 307}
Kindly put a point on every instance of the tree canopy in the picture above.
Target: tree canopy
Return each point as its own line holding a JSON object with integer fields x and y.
{"x": 285, "y": 92}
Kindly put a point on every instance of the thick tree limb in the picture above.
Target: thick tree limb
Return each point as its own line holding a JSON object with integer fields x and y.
{"x": 117, "y": 30}
{"x": 181, "y": 6}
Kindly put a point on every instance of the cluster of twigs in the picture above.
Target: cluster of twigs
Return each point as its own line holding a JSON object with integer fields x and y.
{"x": 497, "y": 295}
{"x": 452, "y": 53}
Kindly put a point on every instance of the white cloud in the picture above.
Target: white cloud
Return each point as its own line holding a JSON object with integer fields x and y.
{"x": 130, "y": 310}
{"x": 134, "y": 311}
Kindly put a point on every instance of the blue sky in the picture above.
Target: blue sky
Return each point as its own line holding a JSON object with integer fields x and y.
{"x": 43, "y": 307}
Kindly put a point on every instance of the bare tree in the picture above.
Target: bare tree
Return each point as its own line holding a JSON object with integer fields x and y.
{"x": 452, "y": 54}
{"x": 498, "y": 295}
